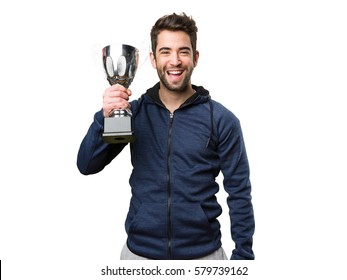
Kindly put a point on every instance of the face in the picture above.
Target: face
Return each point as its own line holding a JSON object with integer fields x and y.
{"x": 174, "y": 60}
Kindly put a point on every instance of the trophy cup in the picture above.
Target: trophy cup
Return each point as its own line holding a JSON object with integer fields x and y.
{"x": 120, "y": 64}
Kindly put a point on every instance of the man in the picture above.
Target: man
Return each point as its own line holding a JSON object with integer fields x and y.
{"x": 183, "y": 140}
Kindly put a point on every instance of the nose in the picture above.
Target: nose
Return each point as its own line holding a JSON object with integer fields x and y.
{"x": 175, "y": 59}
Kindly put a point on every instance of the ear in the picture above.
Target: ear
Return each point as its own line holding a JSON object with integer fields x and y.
{"x": 153, "y": 61}
{"x": 196, "y": 58}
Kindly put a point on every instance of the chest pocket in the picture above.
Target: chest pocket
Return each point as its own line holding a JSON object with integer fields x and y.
{"x": 193, "y": 137}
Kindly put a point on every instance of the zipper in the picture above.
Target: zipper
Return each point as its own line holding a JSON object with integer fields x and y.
{"x": 169, "y": 187}
{"x": 169, "y": 227}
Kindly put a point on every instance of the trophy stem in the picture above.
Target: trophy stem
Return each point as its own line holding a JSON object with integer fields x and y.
{"x": 121, "y": 113}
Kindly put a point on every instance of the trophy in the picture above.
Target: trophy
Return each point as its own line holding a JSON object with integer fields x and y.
{"x": 120, "y": 64}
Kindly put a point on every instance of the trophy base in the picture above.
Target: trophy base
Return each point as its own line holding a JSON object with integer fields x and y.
{"x": 118, "y": 130}
{"x": 118, "y": 137}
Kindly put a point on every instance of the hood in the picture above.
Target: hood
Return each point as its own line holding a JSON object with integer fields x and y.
{"x": 201, "y": 95}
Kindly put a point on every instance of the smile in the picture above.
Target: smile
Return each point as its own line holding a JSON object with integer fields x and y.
{"x": 175, "y": 72}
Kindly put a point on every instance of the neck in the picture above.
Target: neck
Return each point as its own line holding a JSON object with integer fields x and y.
{"x": 174, "y": 99}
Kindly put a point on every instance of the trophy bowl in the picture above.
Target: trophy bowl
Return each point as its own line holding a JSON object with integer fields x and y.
{"x": 120, "y": 63}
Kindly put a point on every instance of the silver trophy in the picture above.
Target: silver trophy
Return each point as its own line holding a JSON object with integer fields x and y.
{"x": 120, "y": 64}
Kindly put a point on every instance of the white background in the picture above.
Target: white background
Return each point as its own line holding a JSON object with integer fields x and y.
{"x": 280, "y": 66}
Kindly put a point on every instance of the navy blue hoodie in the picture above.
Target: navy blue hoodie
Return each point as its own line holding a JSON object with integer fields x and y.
{"x": 176, "y": 159}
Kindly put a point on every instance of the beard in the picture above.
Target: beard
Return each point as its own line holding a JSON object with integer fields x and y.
{"x": 179, "y": 87}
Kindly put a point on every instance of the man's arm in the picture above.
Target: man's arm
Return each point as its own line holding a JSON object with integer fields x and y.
{"x": 235, "y": 168}
{"x": 94, "y": 154}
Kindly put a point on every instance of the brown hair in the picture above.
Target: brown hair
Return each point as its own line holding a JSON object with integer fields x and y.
{"x": 174, "y": 22}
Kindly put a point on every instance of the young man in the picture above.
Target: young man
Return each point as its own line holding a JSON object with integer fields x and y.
{"x": 183, "y": 140}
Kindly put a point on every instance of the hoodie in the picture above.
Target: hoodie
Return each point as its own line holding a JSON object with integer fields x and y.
{"x": 176, "y": 157}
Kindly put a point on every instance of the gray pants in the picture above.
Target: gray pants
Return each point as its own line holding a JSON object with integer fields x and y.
{"x": 126, "y": 254}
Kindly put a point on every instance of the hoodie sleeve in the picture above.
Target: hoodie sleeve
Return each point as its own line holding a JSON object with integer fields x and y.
{"x": 94, "y": 154}
{"x": 235, "y": 169}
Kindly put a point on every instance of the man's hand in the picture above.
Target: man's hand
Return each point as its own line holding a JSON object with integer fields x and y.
{"x": 115, "y": 98}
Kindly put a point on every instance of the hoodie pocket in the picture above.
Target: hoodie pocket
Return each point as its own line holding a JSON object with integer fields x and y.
{"x": 190, "y": 224}
{"x": 148, "y": 224}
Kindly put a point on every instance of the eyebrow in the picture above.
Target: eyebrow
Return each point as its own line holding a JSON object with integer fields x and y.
{"x": 167, "y": 49}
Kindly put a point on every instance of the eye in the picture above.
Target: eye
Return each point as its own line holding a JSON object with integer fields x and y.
{"x": 185, "y": 52}
{"x": 164, "y": 52}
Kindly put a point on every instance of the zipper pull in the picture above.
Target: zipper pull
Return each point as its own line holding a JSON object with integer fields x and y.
{"x": 171, "y": 115}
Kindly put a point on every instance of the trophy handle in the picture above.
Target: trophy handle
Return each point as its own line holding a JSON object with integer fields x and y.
{"x": 144, "y": 49}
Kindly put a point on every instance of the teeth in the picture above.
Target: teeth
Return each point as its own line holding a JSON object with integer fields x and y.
{"x": 175, "y": 72}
